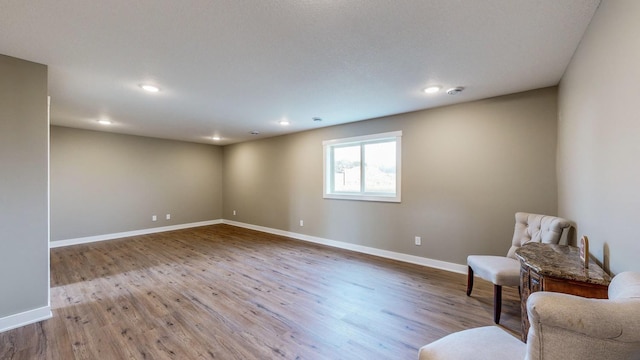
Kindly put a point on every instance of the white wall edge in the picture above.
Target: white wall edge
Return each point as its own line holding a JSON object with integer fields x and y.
{"x": 90, "y": 239}
{"x": 418, "y": 260}
{"x": 25, "y": 318}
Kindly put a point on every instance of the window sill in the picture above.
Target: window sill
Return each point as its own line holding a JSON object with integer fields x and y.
{"x": 376, "y": 198}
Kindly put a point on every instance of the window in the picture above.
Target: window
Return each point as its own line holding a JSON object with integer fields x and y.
{"x": 363, "y": 167}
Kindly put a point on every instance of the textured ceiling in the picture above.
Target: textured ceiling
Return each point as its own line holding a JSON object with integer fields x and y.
{"x": 228, "y": 67}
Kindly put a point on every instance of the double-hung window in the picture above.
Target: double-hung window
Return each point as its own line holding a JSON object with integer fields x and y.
{"x": 363, "y": 167}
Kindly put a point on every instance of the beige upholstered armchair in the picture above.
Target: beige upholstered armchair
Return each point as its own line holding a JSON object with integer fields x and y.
{"x": 563, "y": 327}
{"x": 505, "y": 271}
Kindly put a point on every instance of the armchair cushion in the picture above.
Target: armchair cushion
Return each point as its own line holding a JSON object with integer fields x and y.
{"x": 477, "y": 344}
{"x": 499, "y": 270}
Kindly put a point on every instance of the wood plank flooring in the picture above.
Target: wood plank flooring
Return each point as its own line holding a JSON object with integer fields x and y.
{"x": 222, "y": 292}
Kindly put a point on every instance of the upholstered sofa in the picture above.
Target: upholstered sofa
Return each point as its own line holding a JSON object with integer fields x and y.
{"x": 563, "y": 327}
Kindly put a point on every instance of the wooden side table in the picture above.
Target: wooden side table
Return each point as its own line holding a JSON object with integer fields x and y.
{"x": 557, "y": 268}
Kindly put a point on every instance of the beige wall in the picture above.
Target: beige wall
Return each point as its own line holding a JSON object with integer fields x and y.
{"x": 24, "y": 229}
{"x": 599, "y": 136}
{"x": 466, "y": 170}
{"x": 104, "y": 183}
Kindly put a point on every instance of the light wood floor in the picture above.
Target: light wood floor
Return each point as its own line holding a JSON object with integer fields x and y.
{"x": 222, "y": 292}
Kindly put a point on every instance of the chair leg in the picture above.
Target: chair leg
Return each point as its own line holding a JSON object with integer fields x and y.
{"x": 497, "y": 303}
{"x": 469, "y": 281}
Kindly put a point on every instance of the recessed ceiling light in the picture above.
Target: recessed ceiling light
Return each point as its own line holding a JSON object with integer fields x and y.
{"x": 150, "y": 88}
{"x": 216, "y": 138}
{"x": 455, "y": 91}
{"x": 284, "y": 122}
{"x": 432, "y": 89}
{"x": 104, "y": 122}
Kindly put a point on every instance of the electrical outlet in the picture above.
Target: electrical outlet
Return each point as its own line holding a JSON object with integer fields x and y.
{"x": 301, "y": 222}
{"x": 418, "y": 240}
{"x": 168, "y": 217}
{"x": 234, "y": 213}
{"x": 154, "y": 218}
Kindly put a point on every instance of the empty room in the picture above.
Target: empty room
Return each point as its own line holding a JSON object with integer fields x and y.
{"x": 319, "y": 179}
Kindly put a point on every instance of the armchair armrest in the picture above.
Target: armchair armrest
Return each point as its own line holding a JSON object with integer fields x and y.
{"x": 595, "y": 318}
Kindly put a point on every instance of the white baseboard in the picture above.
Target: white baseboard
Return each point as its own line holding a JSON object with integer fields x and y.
{"x": 438, "y": 264}
{"x": 25, "y": 318}
{"x": 90, "y": 239}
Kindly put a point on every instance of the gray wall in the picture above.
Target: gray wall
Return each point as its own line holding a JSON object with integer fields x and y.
{"x": 104, "y": 183}
{"x": 599, "y": 136}
{"x": 466, "y": 169}
{"x": 24, "y": 229}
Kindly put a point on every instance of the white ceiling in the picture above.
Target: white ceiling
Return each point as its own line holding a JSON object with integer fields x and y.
{"x": 227, "y": 67}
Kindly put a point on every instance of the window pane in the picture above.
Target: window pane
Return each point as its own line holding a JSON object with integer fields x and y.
{"x": 380, "y": 167}
{"x": 346, "y": 169}
{"x": 363, "y": 168}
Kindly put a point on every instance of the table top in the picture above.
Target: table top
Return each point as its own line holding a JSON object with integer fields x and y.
{"x": 561, "y": 261}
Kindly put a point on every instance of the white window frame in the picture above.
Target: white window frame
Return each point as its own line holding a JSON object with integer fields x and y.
{"x": 328, "y": 172}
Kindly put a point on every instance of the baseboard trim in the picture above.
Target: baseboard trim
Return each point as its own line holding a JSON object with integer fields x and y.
{"x": 90, "y": 239}
{"x": 25, "y": 318}
{"x": 437, "y": 264}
